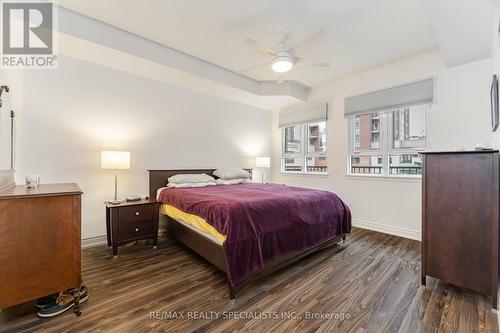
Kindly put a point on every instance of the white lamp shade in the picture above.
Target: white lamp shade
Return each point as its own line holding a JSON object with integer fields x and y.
{"x": 262, "y": 162}
{"x": 115, "y": 160}
{"x": 282, "y": 65}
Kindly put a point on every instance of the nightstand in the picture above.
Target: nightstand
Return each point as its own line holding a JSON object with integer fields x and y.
{"x": 130, "y": 221}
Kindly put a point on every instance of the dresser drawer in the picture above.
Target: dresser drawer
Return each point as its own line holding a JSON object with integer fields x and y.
{"x": 135, "y": 229}
{"x": 135, "y": 213}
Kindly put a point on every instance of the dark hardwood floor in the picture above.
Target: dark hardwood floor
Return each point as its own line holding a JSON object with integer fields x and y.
{"x": 373, "y": 281}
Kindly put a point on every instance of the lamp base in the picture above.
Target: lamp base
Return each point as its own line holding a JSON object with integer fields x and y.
{"x": 114, "y": 202}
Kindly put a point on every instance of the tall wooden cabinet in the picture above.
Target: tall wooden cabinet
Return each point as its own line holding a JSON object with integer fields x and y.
{"x": 40, "y": 243}
{"x": 460, "y": 204}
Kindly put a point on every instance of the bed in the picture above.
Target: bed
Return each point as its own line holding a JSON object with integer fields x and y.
{"x": 250, "y": 230}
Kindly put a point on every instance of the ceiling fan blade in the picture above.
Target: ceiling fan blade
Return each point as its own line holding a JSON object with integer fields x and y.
{"x": 259, "y": 47}
{"x": 311, "y": 63}
{"x": 252, "y": 68}
{"x": 308, "y": 42}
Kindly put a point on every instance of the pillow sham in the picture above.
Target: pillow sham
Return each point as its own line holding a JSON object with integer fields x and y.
{"x": 232, "y": 181}
{"x": 191, "y": 178}
{"x": 186, "y": 185}
{"x": 232, "y": 173}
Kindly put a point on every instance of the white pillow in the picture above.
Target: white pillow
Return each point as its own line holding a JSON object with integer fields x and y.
{"x": 191, "y": 178}
{"x": 232, "y": 181}
{"x": 186, "y": 185}
{"x": 234, "y": 173}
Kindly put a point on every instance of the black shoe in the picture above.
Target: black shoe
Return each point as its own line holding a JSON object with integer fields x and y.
{"x": 51, "y": 299}
{"x": 62, "y": 303}
{"x": 44, "y": 301}
{"x": 84, "y": 294}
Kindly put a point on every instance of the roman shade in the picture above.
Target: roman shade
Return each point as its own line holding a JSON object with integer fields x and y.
{"x": 307, "y": 115}
{"x": 420, "y": 92}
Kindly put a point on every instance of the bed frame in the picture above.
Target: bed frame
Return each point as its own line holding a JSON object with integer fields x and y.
{"x": 214, "y": 252}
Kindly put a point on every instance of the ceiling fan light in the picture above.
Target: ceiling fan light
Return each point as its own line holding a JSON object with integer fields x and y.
{"x": 282, "y": 65}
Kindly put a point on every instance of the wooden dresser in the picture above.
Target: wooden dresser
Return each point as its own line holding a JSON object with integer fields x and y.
{"x": 460, "y": 204}
{"x": 40, "y": 243}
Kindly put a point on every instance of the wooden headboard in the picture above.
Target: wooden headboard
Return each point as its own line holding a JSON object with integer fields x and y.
{"x": 158, "y": 178}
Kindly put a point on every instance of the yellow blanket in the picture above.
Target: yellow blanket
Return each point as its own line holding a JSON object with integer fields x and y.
{"x": 193, "y": 220}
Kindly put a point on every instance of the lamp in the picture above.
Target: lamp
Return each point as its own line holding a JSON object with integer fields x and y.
{"x": 115, "y": 160}
{"x": 264, "y": 163}
{"x": 282, "y": 64}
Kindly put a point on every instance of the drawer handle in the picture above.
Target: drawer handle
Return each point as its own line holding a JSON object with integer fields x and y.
{"x": 137, "y": 213}
{"x": 136, "y": 229}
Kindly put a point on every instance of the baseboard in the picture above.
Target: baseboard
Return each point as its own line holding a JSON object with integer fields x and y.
{"x": 387, "y": 229}
{"x": 94, "y": 241}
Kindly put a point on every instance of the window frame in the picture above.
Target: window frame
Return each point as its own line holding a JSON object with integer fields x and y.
{"x": 304, "y": 154}
{"x": 386, "y": 143}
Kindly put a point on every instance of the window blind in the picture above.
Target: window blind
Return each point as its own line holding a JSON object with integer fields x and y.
{"x": 420, "y": 92}
{"x": 303, "y": 116}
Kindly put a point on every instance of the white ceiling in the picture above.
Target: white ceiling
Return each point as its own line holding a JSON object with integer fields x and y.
{"x": 361, "y": 33}
{"x": 463, "y": 30}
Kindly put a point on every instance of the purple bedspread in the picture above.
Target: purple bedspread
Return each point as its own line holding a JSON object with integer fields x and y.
{"x": 263, "y": 221}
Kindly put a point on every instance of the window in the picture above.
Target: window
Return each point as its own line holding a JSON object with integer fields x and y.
{"x": 357, "y": 132}
{"x": 304, "y": 148}
{"x": 293, "y": 140}
{"x": 366, "y": 164}
{"x": 386, "y": 143}
{"x": 304, "y": 139}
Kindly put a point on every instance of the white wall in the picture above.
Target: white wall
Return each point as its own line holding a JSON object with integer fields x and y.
{"x": 459, "y": 118}
{"x": 72, "y": 113}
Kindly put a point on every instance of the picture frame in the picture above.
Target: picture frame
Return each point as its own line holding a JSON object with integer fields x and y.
{"x": 494, "y": 103}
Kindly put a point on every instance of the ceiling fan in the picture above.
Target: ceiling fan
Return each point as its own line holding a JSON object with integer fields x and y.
{"x": 285, "y": 58}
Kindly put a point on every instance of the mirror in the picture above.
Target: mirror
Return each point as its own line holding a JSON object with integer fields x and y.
{"x": 6, "y": 140}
